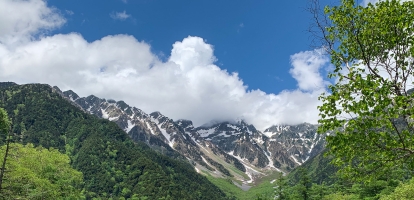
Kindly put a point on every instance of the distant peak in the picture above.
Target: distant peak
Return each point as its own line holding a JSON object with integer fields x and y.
{"x": 213, "y": 123}
{"x": 70, "y": 94}
{"x": 237, "y": 122}
{"x": 91, "y": 97}
{"x": 184, "y": 120}
{"x": 121, "y": 104}
{"x": 184, "y": 123}
{"x": 111, "y": 101}
{"x": 156, "y": 114}
{"x": 278, "y": 127}
{"x": 56, "y": 89}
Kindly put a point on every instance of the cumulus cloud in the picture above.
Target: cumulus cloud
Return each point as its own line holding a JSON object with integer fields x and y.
{"x": 306, "y": 66}
{"x": 21, "y": 20}
{"x": 120, "y": 15}
{"x": 189, "y": 85}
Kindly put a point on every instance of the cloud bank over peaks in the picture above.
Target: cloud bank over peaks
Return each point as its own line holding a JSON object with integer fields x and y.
{"x": 189, "y": 85}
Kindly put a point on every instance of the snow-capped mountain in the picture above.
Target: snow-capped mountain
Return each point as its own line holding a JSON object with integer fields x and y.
{"x": 234, "y": 149}
{"x": 240, "y": 140}
{"x": 295, "y": 143}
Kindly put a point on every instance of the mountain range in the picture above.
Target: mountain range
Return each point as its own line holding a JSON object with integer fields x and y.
{"x": 222, "y": 149}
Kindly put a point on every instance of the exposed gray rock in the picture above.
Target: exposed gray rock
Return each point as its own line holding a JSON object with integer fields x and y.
{"x": 237, "y": 144}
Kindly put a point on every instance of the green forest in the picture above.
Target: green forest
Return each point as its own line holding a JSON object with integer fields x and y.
{"x": 50, "y": 149}
{"x": 87, "y": 157}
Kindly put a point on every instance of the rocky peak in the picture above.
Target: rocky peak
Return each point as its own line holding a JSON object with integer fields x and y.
{"x": 185, "y": 124}
{"x": 156, "y": 115}
{"x": 297, "y": 142}
{"x": 122, "y": 105}
{"x": 71, "y": 95}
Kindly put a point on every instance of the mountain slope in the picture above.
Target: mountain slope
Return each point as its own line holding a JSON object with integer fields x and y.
{"x": 112, "y": 164}
{"x": 296, "y": 142}
{"x": 318, "y": 169}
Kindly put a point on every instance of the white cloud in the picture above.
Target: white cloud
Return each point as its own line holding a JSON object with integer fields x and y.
{"x": 69, "y": 12}
{"x": 189, "y": 85}
{"x": 365, "y": 2}
{"x": 21, "y": 20}
{"x": 120, "y": 15}
{"x": 306, "y": 66}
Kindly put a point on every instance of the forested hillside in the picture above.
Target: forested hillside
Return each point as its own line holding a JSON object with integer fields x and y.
{"x": 112, "y": 165}
{"x": 319, "y": 179}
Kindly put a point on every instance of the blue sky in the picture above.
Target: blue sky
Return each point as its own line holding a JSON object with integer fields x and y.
{"x": 253, "y": 38}
{"x": 198, "y": 60}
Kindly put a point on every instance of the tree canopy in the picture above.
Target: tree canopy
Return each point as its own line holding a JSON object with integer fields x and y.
{"x": 4, "y": 122}
{"x": 369, "y": 110}
{"x": 39, "y": 173}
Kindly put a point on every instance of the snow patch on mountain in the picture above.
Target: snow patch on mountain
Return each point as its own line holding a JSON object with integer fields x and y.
{"x": 249, "y": 170}
{"x": 205, "y": 133}
{"x": 113, "y": 118}
{"x": 259, "y": 140}
{"x": 293, "y": 157}
{"x": 207, "y": 162}
{"x": 200, "y": 145}
{"x": 105, "y": 115}
{"x": 130, "y": 126}
{"x": 271, "y": 164}
{"x": 223, "y": 134}
{"x": 150, "y": 128}
{"x": 232, "y": 127}
{"x": 168, "y": 137}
